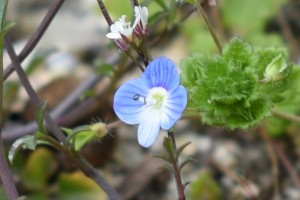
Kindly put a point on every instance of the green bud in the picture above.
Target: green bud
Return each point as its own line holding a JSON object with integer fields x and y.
{"x": 276, "y": 70}
{"x": 99, "y": 130}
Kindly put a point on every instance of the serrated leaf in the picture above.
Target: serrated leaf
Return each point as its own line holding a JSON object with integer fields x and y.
{"x": 227, "y": 89}
{"x": 163, "y": 157}
{"x": 39, "y": 117}
{"x": 26, "y": 142}
{"x": 181, "y": 148}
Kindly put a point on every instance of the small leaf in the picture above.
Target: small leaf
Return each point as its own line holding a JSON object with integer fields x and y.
{"x": 155, "y": 17}
{"x": 3, "y": 7}
{"x": 186, "y": 162}
{"x": 168, "y": 145}
{"x": 68, "y": 131}
{"x": 172, "y": 11}
{"x": 162, "y": 4}
{"x": 26, "y": 142}
{"x": 80, "y": 136}
{"x": 181, "y": 148}
{"x": 167, "y": 168}
{"x": 39, "y": 117}
{"x": 186, "y": 184}
{"x": 163, "y": 157}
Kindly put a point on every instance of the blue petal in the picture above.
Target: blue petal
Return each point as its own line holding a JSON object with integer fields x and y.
{"x": 174, "y": 108}
{"x": 126, "y": 108}
{"x": 148, "y": 129}
{"x": 162, "y": 72}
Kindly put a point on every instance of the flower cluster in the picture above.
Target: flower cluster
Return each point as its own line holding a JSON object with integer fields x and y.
{"x": 122, "y": 32}
{"x": 154, "y": 101}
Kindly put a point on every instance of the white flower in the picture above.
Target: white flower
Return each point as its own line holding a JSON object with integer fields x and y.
{"x": 120, "y": 27}
{"x": 141, "y": 19}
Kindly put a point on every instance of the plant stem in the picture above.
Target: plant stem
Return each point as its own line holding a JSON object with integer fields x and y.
{"x": 209, "y": 25}
{"x": 35, "y": 38}
{"x": 286, "y": 116}
{"x": 30, "y": 91}
{"x": 87, "y": 169}
{"x": 105, "y": 13}
{"x": 84, "y": 166}
{"x": 5, "y": 173}
{"x": 135, "y": 3}
{"x": 175, "y": 164}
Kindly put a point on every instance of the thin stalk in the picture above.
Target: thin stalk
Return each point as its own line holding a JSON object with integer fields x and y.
{"x": 286, "y": 116}
{"x": 209, "y": 25}
{"x": 5, "y": 173}
{"x": 135, "y": 3}
{"x": 30, "y": 91}
{"x": 128, "y": 53}
{"x": 175, "y": 164}
{"x": 84, "y": 166}
{"x": 35, "y": 38}
{"x": 88, "y": 169}
{"x": 105, "y": 13}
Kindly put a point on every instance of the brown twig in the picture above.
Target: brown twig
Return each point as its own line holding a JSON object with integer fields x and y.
{"x": 286, "y": 116}
{"x": 5, "y": 172}
{"x": 287, "y": 32}
{"x": 287, "y": 164}
{"x": 35, "y": 38}
{"x": 244, "y": 183}
{"x": 105, "y": 13}
{"x": 29, "y": 89}
{"x": 135, "y": 3}
{"x": 272, "y": 154}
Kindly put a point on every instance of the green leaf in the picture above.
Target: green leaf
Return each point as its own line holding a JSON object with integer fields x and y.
{"x": 172, "y": 12}
{"x": 3, "y": 6}
{"x": 156, "y": 17}
{"x": 78, "y": 186}
{"x": 39, "y": 117}
{"x": 162, "y": 4}
{"x": 80, "y": 136}
{"x": 228, "y": 89}
{"x": 167, "y": 168}
{"x": 168, "y": 145}
{"x": 184, "y": 163}
{"x": 205, "y": 187}
{"x": 181, "y": 148}
{"x": 26, "y": 142}
{"x": 39, "y": 168}
{"x": 164, "y": 157}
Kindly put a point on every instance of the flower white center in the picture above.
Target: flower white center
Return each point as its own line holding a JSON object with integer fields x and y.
{"x": 156, "y": 99}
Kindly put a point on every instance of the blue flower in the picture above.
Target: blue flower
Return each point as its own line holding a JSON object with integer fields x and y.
{"x": 155, "y": 100}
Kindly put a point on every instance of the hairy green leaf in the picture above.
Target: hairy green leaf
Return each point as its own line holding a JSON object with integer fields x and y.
{"x": 229, "y": 91}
